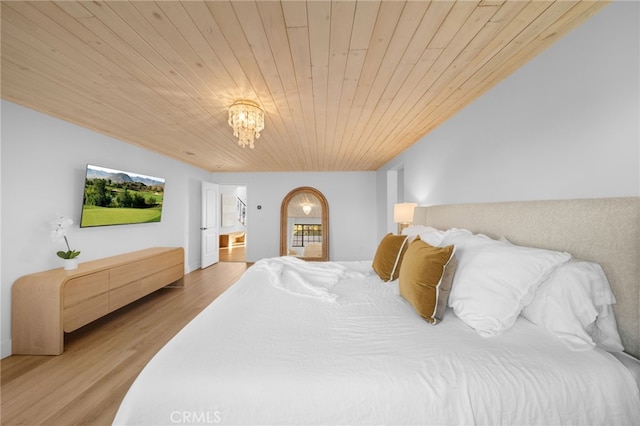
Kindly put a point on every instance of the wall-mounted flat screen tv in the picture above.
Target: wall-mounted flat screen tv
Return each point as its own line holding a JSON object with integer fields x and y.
{"x": 118, "y": 197}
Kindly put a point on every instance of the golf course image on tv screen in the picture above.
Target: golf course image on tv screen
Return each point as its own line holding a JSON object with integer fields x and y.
{"x": 117, "y": 197}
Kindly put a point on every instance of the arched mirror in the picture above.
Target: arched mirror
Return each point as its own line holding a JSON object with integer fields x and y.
{"x": 304, "y": 224}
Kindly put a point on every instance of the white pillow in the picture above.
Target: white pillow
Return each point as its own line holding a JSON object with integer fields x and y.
{"x": 428, "y": 234}
{"x": 574, "y": 304}
{"x": 494, "y": 280}
{"x": 412, "y": 231}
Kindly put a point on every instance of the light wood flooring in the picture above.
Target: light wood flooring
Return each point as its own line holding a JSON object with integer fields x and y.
{"x": 85, "y": 385}
{"x": 234, "y": 253}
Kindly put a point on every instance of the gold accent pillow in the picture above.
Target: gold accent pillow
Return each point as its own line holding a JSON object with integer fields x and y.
{"x": 389, "y": 255}
{"x": 425, "y": 278}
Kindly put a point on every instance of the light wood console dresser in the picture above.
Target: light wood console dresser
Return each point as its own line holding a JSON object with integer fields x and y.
{"x": 47, "y": 304}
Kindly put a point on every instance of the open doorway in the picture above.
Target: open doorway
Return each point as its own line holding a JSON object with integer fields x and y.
{"x": 233, "y": 223}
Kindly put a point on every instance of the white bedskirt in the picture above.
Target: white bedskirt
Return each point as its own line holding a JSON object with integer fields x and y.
{"x": 265, "y": 354}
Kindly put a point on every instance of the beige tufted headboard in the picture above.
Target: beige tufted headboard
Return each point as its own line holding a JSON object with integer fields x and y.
{"x": 603, "y": 230}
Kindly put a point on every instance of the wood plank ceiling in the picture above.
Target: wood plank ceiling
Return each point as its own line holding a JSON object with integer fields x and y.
{"x": 345, "y": 85}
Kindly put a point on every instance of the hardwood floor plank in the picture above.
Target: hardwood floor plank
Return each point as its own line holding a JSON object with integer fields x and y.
{"x": 234, "y": 253}
{"x": 86, "y": 384}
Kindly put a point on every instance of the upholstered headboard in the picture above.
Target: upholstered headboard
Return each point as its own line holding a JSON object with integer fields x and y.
{"x": 606, "y": 231}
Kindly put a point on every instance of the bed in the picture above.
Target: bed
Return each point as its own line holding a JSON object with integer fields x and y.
{"x": 296, "y": 342}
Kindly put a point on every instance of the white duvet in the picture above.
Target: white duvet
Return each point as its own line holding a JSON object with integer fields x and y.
{"x": 344, "y": 348}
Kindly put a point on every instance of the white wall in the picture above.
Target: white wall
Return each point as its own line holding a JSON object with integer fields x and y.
{"x": 566, "y": 125}
{"x": 351, "y": 197}
{"x": 43, "y": 165}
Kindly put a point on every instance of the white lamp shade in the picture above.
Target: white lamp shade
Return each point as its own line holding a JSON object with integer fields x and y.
{"x": 403, "y": 212}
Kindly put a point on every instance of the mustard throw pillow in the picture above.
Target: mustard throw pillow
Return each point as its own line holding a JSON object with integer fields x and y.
{"x": 425, "y": 278}
{"x": 389, "y": 255}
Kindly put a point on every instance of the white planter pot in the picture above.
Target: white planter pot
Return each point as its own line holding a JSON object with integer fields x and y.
{"x": 70, "y": 264}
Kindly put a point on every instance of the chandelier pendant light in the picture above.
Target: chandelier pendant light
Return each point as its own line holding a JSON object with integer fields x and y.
{"x": 247, "y": 121}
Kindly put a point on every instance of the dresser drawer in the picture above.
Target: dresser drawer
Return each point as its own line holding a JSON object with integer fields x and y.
{"x": 172, "y": 258}
{"x": 162, "y": 278}
{"x": 83, "y": 313}
{"x": 127, "y": 273}
{"x": 85, "y": 287}
{"x": 136, "y": 270}
{"x": 124, "y": 295}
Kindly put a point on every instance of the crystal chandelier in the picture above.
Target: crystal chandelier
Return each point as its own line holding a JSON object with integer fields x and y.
{"x": 247, "y": 121}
